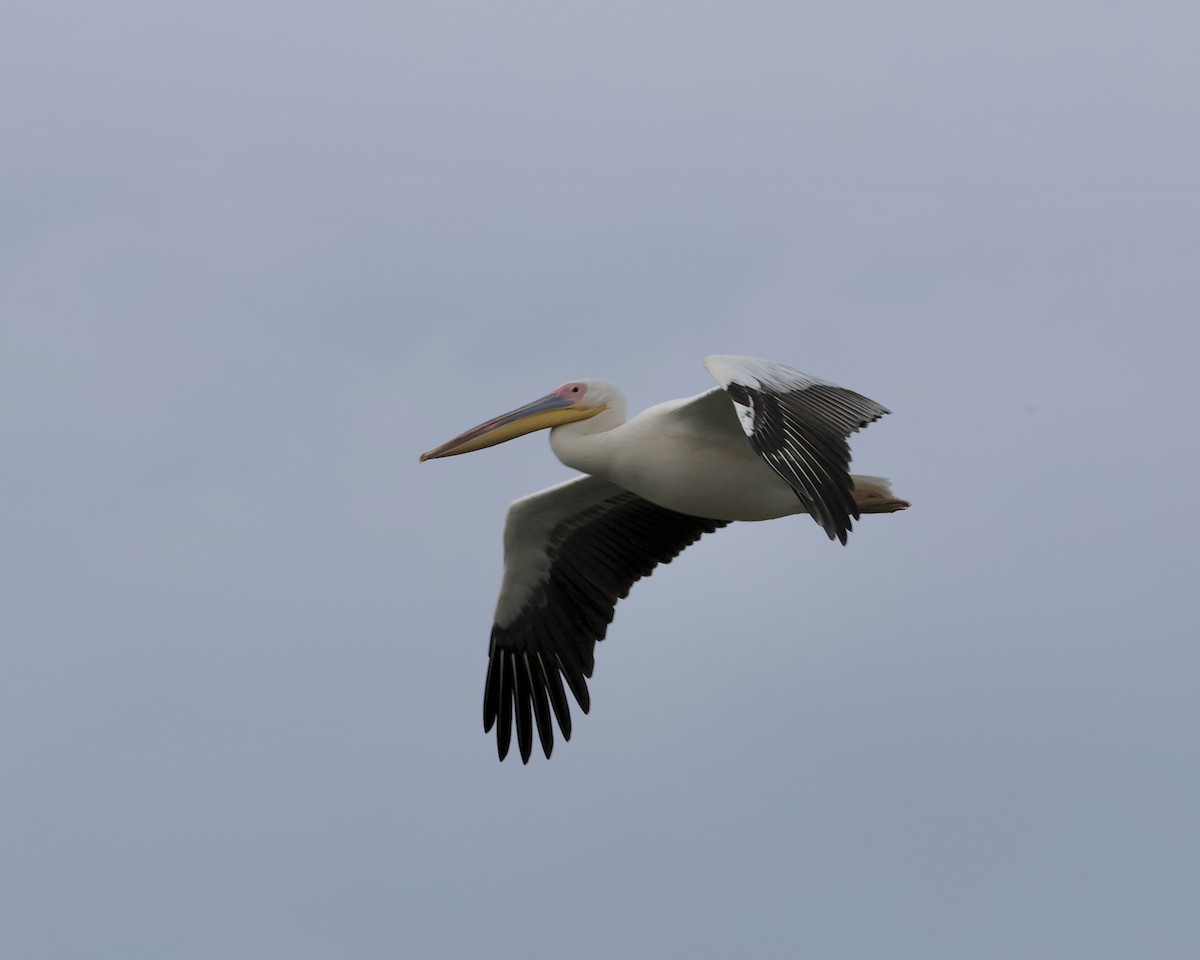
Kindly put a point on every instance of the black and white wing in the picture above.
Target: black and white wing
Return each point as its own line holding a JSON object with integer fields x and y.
{"x": 799, "y": 425}
{"x": 570, "y": 553}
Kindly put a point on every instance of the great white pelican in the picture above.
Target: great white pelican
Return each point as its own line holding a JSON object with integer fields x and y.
{"x": 768, "y": 442}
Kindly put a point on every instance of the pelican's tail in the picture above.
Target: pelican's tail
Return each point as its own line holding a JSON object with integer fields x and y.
{"x": 874, "y": 495}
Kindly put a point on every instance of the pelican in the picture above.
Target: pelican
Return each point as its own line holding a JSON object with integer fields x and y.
{"x": 768, "y": 442}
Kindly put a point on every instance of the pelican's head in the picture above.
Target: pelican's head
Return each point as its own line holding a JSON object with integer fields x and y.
{"x": 577, "y": 400}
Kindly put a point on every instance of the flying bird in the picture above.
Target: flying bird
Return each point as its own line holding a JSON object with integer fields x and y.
{"x": 768, "y": 442}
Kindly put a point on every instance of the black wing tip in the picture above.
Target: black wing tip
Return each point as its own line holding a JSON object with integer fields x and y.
{"x": 525, "y": 744}
{"x": 523, "y": 698}
{"x": 839, "y": 526}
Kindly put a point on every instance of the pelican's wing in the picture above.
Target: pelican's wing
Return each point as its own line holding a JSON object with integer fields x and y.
{"x": 570, "y": 553}
{"x": 799, "y": 426}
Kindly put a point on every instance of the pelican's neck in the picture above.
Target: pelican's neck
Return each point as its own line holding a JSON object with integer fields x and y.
{"x": 589, "y": 445}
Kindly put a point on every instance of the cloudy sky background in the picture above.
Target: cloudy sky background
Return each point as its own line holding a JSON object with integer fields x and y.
{"x": 258, "y": 256}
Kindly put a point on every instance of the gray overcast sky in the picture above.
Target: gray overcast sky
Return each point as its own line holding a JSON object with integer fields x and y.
{"x": 258, "y": 256}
